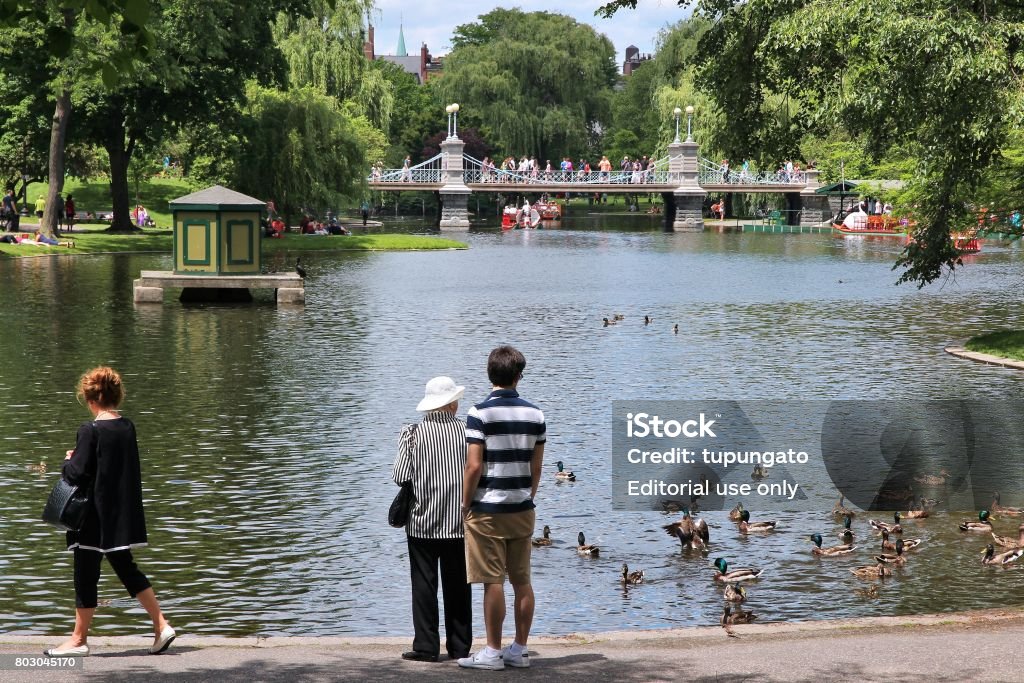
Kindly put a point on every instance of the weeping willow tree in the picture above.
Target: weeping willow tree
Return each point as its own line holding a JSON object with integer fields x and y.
{"x": 537, "y": 83}
{"x": 324, "y": 51}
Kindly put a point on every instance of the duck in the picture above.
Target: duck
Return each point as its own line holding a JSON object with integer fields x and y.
{"x": 631, "y": 578}
{"x": 897, "y": 559}
{"x": 847, "y": 533}
{"x": 984, "y": 523}
{"x": 868, "y": 591}
{"x": 1007, "y": 542}
{"x": 876, "y": 571}
{"x": 1008, "y": 557}
{"x": 545, "y": 540}
{"x": 608, "y": 322}
{"x": 933, "y": 480}
{"x": 1002, "y": 509}
{"x": 747, "y": 526}
{"x": 299, "y": 269}
{"x": 736, "y": 575}
{"x": 647, "y": 320}
{"x": 583, "y": 549}
{"x": 759, "y": 473}
{"x": 734, "y": 593}
{"x": 886, "y": 543}
{"x": 692, "y": 533}
{"x": 618, "y": 316}
{"x": 562, "y": 474}
{"x": 893, "y": 528}
{"x": 911, "y": 543}
{"x": 921, "y": 512}
{"x": 840, "y": 509}
{"x": 40, "y": 468}
{"x": 671, "y": 506}
{"x": 834, "y": 551}
{"x": 736, "y": 514}
{"x": 738, "y": 617}
{"x": 675, "y": 329}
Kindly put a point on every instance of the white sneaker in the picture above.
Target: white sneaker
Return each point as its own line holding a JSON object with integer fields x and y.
{"x": 520, "y": 661}
{"x": 482, "y": 661}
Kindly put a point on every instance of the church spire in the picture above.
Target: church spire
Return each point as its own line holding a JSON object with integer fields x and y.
{"x": 401, "y": 52}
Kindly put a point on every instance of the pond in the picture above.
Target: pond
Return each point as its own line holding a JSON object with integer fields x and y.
{"x": 268, "y": 434}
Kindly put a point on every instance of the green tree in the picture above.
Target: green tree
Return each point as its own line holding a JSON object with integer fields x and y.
{"x": 535, "y": 83}
{"x": 301, "y": 149}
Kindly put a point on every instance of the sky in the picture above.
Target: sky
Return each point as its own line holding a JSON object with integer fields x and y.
{"x": 433, "y": 22}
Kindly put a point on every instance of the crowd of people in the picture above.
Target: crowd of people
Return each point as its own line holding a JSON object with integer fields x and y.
{"x": 788, "y": 171}
{"x": 528, "y": 169}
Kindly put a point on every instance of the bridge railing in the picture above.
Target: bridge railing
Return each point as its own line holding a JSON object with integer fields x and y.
{"x": 429, "y": 171}
{"x": 710, "y": 173}
{"x": 477, "y": 172}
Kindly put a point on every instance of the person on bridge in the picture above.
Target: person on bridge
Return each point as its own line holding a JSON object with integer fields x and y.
{"x": 407, "y": 169}
{"x": 605, "y": 167}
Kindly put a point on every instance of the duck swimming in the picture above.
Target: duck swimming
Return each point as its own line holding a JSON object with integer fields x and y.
{"x": 562, "y": 474}
{"x": 1009, "y": 557}
{"x": 759, "y": 473}
{"x": 545, "y": 540}
{"x": 872, "y": 571}
{"x": 897, "y": 559}
{"x": 1008, "y": 542}
{"x": 847, "y": 533}
{"x": 736, "y": 575}
{"x": 834, "y": 551}
{"x": 841, "y": 510}
{"x": 920, "y": 512}
{"x": 984, "y": 523}
{"x": 893, "y": 528}
{"x": 734, "y": 593}
{"x": 631, "y": 578}
{"x": 1002, "y": 509}
{"x": 736, "y": 514}
{"x": 692, "y": 533}
{"x": 747, "y": 526}
{"x": 583, "y": 549}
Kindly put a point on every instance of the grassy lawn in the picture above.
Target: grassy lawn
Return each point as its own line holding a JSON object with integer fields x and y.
{"x": 94, "y": 240}
{"x": 95, "y": 196}
{"x": 1005, "y": 344}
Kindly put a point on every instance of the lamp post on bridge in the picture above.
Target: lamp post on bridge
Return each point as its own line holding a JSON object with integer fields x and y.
{"x": 455, "y": 119}
{"x": 449, "y": 111}
{"x": 677, "y": 111}
{"x": 453, "y": 193}
{"x": 684, "y": 203}
{"x": 689, "y": 124}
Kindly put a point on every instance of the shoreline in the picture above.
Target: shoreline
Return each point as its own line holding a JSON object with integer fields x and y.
{"x": 988, "y": 359}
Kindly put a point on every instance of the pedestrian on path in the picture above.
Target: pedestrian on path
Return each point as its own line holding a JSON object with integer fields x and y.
{"x": 40, "y": 206}
{"x": 106, "y": 459}
{"x": 505, "y": 436}
{"x": 432, "y": 455}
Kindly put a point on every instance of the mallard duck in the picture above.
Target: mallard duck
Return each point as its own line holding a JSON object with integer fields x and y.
{"x": 736, "y": 514}
{"x": 747, "y": 526}
{"x": 911, "y": 543}
{"x": 984, "y": 523}
{"x": 545, "y": 540}
{"x": 759, "y": 473}
{"x": 618, "y": 316}
{"x": 893, "y": 528}
{"x": 1002, "y": 509}
{"x": 692, "y": 533}
{"x": 897, "y": 559}
{"x": 886, "y": 543}
{"x": 933, "y": 480}
{"x": 876, "y": 571}
{"x": 40, "y": 468}
{"x": 840, "y": 509}
{"x": 734, "y": 593}
{"x": 675, "y": 329}
{"x": 847, "y": 533}
{"x": 1008, "y": 557}
{"x": 736, "y": 575}
{"x": 920, "y": 513}
{"x": 738, "y": 617}
{"x": 562, "y": 474}
{"x": 583, "y": 549}
{"x": 608, "y": 322}
{"x": 844, "y": 549}
{"x": 1007, "y": 542}
{"x": 647, "y": 320}
{"x": 631, "y": 578}
{"x": 868, "y": 591}
{"x": 672, "y": 505}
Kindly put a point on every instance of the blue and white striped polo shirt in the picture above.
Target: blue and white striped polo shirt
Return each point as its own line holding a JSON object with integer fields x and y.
{"x": 509, "y": 428}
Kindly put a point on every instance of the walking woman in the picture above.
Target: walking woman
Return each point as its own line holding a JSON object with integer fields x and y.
{"x": 432, "y": 454}
{"x": 106, "y": 453}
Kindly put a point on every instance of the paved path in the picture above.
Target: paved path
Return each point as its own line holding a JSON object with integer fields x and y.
{"x": 984, "y": 646}
{"x": 961, "y": 352}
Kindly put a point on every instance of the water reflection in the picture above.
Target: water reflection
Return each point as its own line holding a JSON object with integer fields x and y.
{"x": 268, "y": 434}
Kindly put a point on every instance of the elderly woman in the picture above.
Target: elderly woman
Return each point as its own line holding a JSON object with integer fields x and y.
{"x": 106, "y": 454}
{"x": 432, "y": 454}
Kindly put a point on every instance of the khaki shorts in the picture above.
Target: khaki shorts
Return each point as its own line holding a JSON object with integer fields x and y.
{"x": 498, "y": 544}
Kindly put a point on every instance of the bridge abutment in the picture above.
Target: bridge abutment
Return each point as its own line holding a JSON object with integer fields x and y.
{"x": 454, "y": 193}
{"x": 683, "y": 166}
{"x": 814, "y": 208}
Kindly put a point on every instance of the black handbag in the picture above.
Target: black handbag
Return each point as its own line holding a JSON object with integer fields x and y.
{"x": 401, "y": 506}
{"x": 66, "y": 506}
{"x": 68, "y": 503}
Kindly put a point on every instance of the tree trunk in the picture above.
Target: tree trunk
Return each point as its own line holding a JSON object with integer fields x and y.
{"x": 120, "y": 157}
{"x": 58, "y": 136}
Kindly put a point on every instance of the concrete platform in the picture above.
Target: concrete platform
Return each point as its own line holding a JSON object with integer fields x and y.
{"x": 149, "y": 287}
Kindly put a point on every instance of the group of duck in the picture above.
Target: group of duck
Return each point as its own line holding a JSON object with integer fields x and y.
{"x": 693, "y": 534}
{"x": 618, "y": 317}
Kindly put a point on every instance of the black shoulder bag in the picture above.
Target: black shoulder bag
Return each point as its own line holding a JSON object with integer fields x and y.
{"x": 68, "y": 503}
{"x": 398, "y": 513}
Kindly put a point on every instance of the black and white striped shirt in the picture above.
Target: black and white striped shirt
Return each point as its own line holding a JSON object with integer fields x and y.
{"x": 433, "y": 456}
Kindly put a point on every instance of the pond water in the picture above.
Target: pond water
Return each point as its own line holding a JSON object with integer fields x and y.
{"x": 268, "y": 434}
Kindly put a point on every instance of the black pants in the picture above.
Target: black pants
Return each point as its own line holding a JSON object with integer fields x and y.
{"x": 87, "y": 574}
{"x": 424, "y": 556}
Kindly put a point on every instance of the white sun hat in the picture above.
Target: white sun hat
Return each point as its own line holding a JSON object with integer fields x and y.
{"x": 439, "y": 392}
